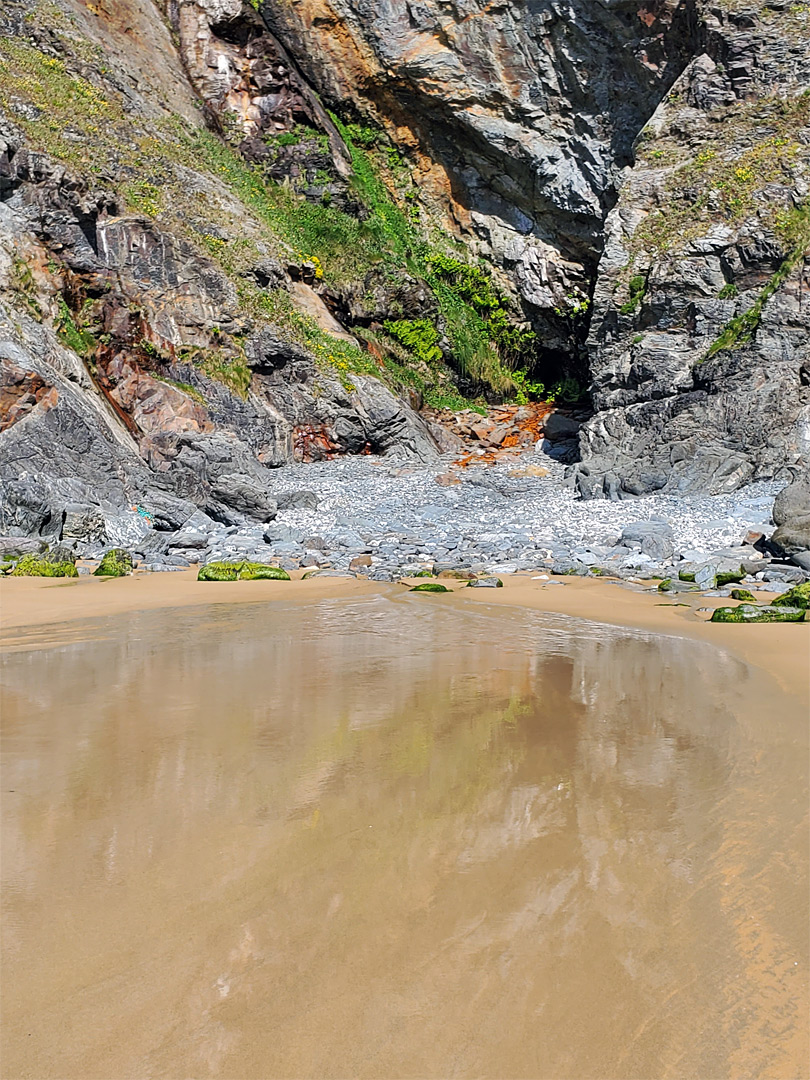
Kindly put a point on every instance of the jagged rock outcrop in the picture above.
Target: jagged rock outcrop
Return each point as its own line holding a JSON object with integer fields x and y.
{"x": 699, "y": 346}
{"x": 517, "y": 117}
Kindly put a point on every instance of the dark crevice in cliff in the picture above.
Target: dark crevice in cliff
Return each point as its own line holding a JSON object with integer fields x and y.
{"x": 495, "y": 176}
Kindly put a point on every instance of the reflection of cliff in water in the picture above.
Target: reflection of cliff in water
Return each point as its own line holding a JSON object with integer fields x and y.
{"x": 410, "y": 840}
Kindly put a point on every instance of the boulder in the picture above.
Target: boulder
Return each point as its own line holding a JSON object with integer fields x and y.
{"x": 297, "y": 500}
{"x": 558, "y": 428}
{"x": 792, "y": 504}
{"x": 115, "y": 563}
{"x": 748, "y": 613}
{"x": 792, "y": 537}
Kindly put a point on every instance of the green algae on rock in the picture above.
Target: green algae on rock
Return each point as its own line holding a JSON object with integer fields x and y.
{"x": 241, "y": 571}
{"x": 728, "y": 577}
{"x": 430, "y": 586}
{"x": 797, "y": 597}
{"x": 260, "y": 572}
{"x": 42, "y": 566}
{"x": 485, "y": 583}
{"x": 115, "y": 563}
{"x": 747, "y": 613}
{"x": 743, "y": 594}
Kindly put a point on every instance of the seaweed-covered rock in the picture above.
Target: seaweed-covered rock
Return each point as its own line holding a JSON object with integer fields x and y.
{"x": 728, "y": 577}
{"x": 219, "y": 571}
{"x": 43, "y": 566}
{"x": 743, "y": 594}
{"x": 797, "y": 597}
{"x": 430, "y": 586}
{"x": 241, "y": 571}
{"x": 485, "y": 583}
{"x": 260, "y": 572}
{"x": 747, "y": 613}
{"x": 670, "y": 585}
{"x": 115, "y": 563}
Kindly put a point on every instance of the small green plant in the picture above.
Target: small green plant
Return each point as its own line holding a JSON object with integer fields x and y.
{"x": 637, "y": 286}
{"x": 184, "y": 388}
{"x": 419, "y": 336}
{"x": 231, "y": 371}
{"x": 23, "y": 283}
{"x": 80, "y": 341}
{"x": 568, "y": 389}
{"x": 526, "y": 389}
{"x": 144, "y": 197}
{"x": 728, "y": 292}
{"x": 742, "y": 328}
{"x": 362, "y": 135}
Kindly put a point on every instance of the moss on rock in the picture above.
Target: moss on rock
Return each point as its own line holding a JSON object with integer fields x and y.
{"x": 728, "y": 577}
{"x": 430, "y": 586}
{"x": 241, "y": 571}
{"x": 798, "y": 597}
{"x": 686, "y": 575}
{"x": 115, "y": 563}
{"x": 261, "y": 572}
{"x": 743, "y": 594}
{"x": 747, "y": 613}
{"x": 42, "y": 566}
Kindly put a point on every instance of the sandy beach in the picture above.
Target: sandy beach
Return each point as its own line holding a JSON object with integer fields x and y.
{"x": 782, "y": 650}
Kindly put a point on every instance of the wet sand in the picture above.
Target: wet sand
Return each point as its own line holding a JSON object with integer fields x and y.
{"x": 781, "y": 650}
{"x": 328, "y": 828}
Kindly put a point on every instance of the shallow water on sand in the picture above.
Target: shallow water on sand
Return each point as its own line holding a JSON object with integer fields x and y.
{"x": 385, "y": 838}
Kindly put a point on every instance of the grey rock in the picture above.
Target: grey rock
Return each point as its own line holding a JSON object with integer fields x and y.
{"x": 20, "y": 545}
{"x": 558, "y": 427}
{"x": 83, "y": 522}
{"x": 705, "y": 575}
{"x": 658, "y": 547}
{"x": 188, "y": 538}
{"x": 792, "y": 504}
{"x": 802, "y": 560}
{"x": 640, "y": 531}
{"x": 297, "y": 500}
{"x": 792, "y": 538}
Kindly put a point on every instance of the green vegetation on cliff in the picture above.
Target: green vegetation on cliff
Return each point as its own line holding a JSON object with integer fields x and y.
{"x": 186, "y": 177}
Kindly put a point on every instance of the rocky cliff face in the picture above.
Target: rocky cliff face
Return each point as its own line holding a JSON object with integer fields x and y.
{"x": 644, "y": 163}
{"x": 700, "y": 342}
{"x": 518, "y": 117}
{"x": 238, "y": 234}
